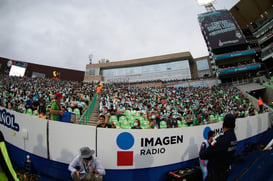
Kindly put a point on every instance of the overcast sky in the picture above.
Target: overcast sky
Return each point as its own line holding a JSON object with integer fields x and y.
{"x": 63, "y": 33}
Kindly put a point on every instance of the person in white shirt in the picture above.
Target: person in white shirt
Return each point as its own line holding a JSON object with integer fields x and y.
{"x": 86, "y": 167}
{"x": 205, "y": 144}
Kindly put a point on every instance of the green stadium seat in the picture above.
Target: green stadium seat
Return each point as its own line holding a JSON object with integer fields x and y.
{"x": 212, "y": 118}
{"x": 246, "y": 113}
{"x": 113, "y": 118}
{"x": 163, "y": 124}
{"x": 127, "y": 113}
{"x": 141, "y": 118}
{"x": 136, "y": 114}
{"x": 116, "y": 123}
{"x": 77, "y": 112}
{"x": 131, "y": 120}
{"x": 220, "y": 118}
{"x": 179, "y": 123}
{"x": 35, "y": 113}
{"x": 29, "y": 112}
{"x": 145, "y": 124}
{"x": 122, "y": 119}
{"x": 124, "y": 124}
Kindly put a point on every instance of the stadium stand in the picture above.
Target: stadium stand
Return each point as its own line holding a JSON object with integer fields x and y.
{"x": 35, "y": 96}
{"x": 121, "y": 104}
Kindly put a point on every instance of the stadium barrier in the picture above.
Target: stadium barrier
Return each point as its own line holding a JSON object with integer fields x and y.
{"x": 126, "y": 154}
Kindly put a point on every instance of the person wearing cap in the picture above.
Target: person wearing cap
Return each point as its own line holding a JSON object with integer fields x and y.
{"x": 221, "y": 151}
{"x": 56, "y": 108}
{"x": 86, "y": 166}
{"x": 205, "y": 144}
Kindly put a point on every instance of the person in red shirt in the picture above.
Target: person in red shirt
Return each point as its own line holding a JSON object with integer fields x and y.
{"x": 260, "y": 103}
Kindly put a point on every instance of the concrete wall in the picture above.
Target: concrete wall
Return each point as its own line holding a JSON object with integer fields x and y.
{"x": 255, "y": 100}
{"x": 268, "y": 96}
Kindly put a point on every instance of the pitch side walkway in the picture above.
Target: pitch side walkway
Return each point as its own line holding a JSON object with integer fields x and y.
{"x": 254, "y": 164}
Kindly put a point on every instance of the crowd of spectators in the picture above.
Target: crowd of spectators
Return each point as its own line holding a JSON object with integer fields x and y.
{"x": 130, "y": 107}
{"x": 35, "y": 96}
{"x": 122, "y": 106}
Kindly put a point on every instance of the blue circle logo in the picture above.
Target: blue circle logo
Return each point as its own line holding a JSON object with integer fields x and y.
{"x": 125, "y": 141}
{"x": 205, "y": 132}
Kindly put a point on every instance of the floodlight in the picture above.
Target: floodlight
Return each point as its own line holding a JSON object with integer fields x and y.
{"x": 205, "y": 2}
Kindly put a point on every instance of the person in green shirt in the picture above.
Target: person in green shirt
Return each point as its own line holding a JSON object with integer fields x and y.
{"x": 198, "y": 119}
{"x": 56, "y": 108}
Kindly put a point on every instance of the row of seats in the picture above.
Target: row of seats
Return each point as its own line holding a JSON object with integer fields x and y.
{"x": 35, "y": 112}
{"x": 126, "y": 123}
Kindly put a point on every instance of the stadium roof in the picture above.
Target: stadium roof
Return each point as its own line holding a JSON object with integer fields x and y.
{"x": 247, "y": 11}
{"x": 145, "y": 61}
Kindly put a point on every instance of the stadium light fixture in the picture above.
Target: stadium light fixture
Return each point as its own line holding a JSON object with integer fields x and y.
{"x": 205, "y": 2}
{"x": 90, "y": 58}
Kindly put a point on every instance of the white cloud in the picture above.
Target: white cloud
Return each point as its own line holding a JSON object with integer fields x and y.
{"x": 64, "y": 32}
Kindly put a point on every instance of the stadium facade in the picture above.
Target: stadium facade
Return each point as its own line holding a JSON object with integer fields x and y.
{"x": 255, "y": 17}
{"x": 171, "y": 67}
{"x": 231, "y": 57}
{"x": 21, "y": 68}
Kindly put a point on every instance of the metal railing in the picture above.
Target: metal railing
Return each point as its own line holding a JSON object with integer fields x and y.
{"x": 86, "y": 115}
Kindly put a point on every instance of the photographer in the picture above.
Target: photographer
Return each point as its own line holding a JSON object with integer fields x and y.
{"x": 86, "y": 166}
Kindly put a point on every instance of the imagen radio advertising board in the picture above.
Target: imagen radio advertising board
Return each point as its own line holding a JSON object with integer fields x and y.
{"x": 220, "y": 29}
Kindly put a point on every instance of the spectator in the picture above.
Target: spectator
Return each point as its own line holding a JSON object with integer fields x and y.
{"x": 120, "y": 110}
{"x": 56, "y": 109}
{"x": 86, "y": 166}
{"x": 98, "y": 89}
{"x": 260, "y": 103}
{"x": 102, "y": 123}
{"x": 136, "y": 124}
{"x": 207, "y": 119}
{"x": 221, "y": 151}
{"x": 152, "y": 124}
{"x": 198, "y": 119}
{"x": 29, "y": 101}
{"x": 172, "y": 122}
{"x": 205, "y": 144}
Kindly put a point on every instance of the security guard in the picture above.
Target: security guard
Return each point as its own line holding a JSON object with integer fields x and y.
{"x": 220, "y": 153}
